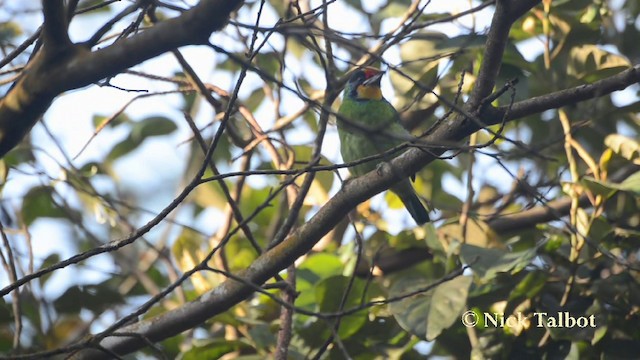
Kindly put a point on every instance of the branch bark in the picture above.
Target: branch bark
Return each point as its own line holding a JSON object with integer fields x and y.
{"x": 55, "y": 25}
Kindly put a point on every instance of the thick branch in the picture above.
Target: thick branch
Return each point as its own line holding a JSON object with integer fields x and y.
{"x": 507, "y": 12}
{"x": 55, "y": 25}
{"x": 48, "y": 76}
{"x": 555, "y": 100}
{"x": 537, "y": 215}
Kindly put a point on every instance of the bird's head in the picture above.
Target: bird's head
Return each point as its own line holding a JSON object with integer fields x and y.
{"x": 364, "y": 84}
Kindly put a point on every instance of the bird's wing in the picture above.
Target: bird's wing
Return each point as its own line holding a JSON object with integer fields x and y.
{"x": 397, "y": 133}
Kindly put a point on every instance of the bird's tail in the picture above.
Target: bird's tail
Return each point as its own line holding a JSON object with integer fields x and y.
{"x": 417, "y": 210}
{"x": 412, "y": 203}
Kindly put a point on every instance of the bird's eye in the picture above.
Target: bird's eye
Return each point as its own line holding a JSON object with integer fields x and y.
{"x": 358, "y": 76}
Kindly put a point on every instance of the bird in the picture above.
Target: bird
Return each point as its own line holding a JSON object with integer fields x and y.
{"x": 368, "y": 125}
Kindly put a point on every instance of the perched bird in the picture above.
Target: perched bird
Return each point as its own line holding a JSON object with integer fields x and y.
{"x": 368, "y": 125}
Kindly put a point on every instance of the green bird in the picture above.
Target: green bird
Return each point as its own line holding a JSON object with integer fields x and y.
{"x": 368, "y": 125}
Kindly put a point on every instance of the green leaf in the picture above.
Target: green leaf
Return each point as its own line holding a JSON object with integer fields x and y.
{"x": 420, "y": 57}
{"x": 96, "y": 298}
{"x": 467, "y": 42}
{"x": 447, "y": 302}
{"x": 48, "y": 261}
{"x": 101, "y": 120}
{"x": 553, "y": 243}
{"x": 598, "y": 187}
{"x": 478, "y": 233}
{"x": 294, "y": 47}
{"x": 255, "y": 99}
{"x": 187, "y": 249}
{"x": 210, "y": 195}
{"x": 530, "y": 286}
{"x": 319, "y": 191}
{"x": 632, "y": 183}
{"x": 262, "y": 336}
{"x": 229, "y": 63}
{"x": 188, "y": 252}
{"x": 240, "y": 254}
{"x": 590, "y": 15}
{"x": 600, "y": 332}
{"x": 411, "y": 312}
{"x": 38, "y": 202}
{"x": 431, "y": 239}
{"x": 269, "y": 62}
{"x": 153, "y": 126}
{"x": 123, "y": 148}
{"x": 5, "y": 312}
{"x": 590, "y": 63}
{"x": 329, "y": 294}
{"x": 189, "y": 99}
{"x": 393, "y": 9}
{"x": 404, "y": 240}
{"x": 18, "y": 156}
{"x": 605, "y": 188}
{"x": 8, "y": 31}
{"x": 487, "y": 263}
{"x": 253, "y": 198}
{"x": 626, "y": 147}
{"x": 319, "y": 266}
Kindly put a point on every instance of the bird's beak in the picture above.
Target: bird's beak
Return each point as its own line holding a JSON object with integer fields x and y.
{"x": 374, "y": 80}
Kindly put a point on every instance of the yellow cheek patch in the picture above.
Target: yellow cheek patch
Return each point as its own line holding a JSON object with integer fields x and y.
{"x": 369, "y": 92}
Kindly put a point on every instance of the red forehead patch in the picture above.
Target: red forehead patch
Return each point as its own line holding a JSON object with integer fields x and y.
{"x": 370, "y": 71}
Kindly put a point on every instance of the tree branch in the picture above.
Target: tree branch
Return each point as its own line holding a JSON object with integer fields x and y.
{"x": 48, "y": 76}
{"x": 555, "y": 100}
{"x": 553, "y": 210}
{"x": 506, "y": 13}
{"x": 55, "y": 26}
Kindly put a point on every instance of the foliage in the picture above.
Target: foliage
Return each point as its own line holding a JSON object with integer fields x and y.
{"x": 186, "y": 182}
